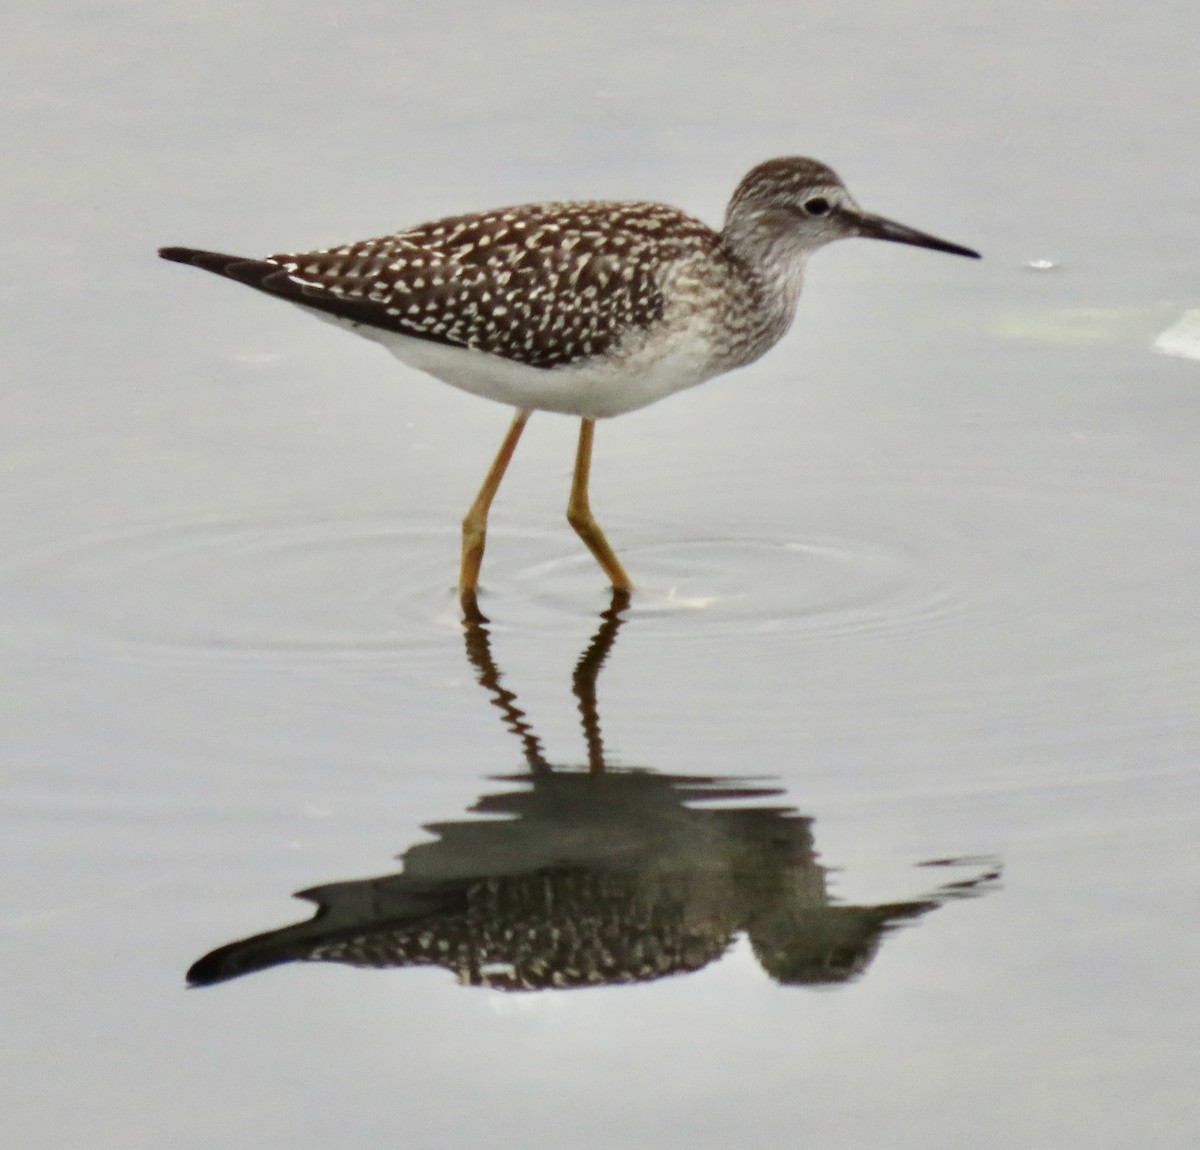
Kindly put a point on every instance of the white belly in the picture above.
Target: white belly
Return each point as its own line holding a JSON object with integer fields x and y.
{"x": 640, "y": 374}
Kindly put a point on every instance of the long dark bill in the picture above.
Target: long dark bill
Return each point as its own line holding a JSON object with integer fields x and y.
{"x": 878, "y": 228}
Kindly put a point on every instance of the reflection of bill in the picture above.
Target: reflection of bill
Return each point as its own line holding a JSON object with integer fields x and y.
{"x": 595, "y": 877}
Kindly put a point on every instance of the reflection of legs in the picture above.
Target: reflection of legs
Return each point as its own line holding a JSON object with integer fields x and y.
{"x": 579, "y": 513}
{"x": 475, "y": 523}
{"x": 479, "y": 652}
{"x": 583, "y": 682}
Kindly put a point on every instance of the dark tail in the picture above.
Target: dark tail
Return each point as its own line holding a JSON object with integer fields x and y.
{"x": 248, "y": 271}
{"x": 271, "y": 278}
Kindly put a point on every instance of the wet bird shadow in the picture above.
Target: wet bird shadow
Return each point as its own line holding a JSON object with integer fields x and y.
{"x": 595, "y": 875}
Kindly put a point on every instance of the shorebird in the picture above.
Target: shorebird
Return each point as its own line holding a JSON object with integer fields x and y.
{"x": 591, "y": 309}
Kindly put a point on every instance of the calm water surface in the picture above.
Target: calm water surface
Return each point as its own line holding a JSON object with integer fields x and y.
{"x": 871, "y": 820}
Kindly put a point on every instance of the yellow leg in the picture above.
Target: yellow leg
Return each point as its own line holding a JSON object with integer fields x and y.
{"x": 579, "y": 513}
{"x": 475, "y": 523}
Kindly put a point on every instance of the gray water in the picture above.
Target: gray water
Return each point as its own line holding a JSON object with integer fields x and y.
{"x": 894, "y": 754}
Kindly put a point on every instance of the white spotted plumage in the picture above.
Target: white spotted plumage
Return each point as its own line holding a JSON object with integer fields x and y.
{"x": 590, "y": 309}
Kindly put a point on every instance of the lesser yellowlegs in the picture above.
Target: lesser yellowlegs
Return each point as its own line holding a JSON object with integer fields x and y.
{"x": 592, "y": 309}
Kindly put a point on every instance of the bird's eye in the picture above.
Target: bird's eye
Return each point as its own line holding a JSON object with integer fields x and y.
{"x": 817, "y": 206}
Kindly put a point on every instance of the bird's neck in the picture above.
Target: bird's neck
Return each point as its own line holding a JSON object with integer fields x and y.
{"x": 771, "y": 265}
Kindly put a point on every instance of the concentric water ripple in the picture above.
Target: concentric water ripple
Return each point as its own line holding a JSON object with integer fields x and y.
{"x": 818, "y": 588}
{"x": 268, "y": 587}
{"x": 371, "y": 588}
{"x": 984, "y": 579}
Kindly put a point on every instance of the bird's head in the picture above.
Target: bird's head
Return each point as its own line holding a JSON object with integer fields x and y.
{"x": 785, "y": 209}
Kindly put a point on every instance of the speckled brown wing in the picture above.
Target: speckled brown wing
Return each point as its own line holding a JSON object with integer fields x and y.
{"x": 542, "y": 284}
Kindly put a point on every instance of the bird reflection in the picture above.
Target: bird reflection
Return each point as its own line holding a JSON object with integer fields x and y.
{"x": 594, "y": 876}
